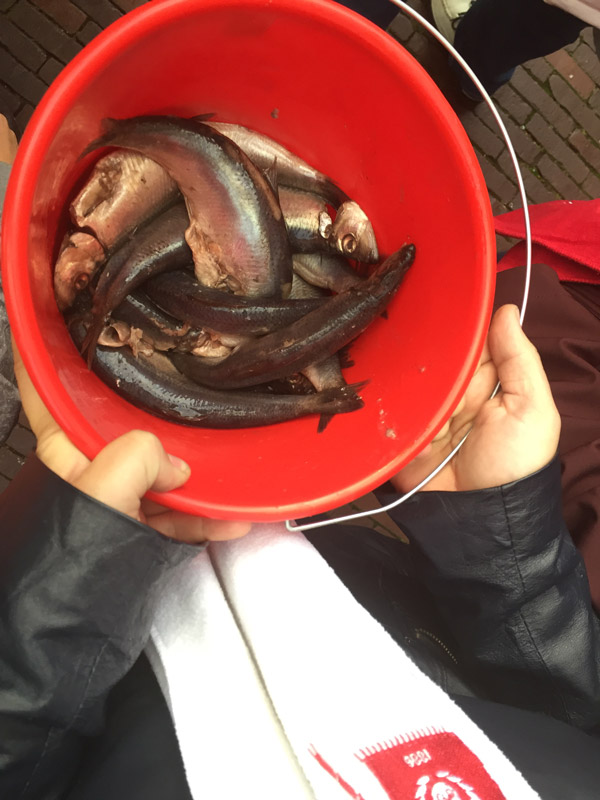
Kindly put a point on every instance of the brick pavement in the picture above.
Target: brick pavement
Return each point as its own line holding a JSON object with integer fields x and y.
{"x": 551, "y": 108}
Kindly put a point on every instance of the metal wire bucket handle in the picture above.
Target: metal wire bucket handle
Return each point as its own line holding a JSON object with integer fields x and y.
{"x": 290, "y": 525}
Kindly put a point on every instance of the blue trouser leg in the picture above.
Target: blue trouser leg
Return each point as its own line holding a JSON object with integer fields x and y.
{"x": 495, "y": 36}
{"x": 381, "y": 12}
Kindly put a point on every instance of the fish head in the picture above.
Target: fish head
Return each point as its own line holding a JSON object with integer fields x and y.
{"x": 353, "y": 234}
{"x": 78, "y": 262}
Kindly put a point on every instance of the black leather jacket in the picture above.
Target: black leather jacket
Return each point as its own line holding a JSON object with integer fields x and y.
{"x": 77, "y": 582}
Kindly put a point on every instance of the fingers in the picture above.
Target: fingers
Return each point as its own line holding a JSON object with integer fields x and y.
{"x": 127, "y": 468}
{"x": 8, "y": 142}
{"x": 193, "y": 530}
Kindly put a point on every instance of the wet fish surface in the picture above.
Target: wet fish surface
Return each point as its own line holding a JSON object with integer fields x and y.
{"x": 124, "y": 190}
{"x": 180, "y": 295}
{"x": 154, "y": 385}
{"x": 307, "y": 220}
{"x": 310, "y": 339}
{"x": 236, "y": 233}
{"x": 352, "y": 234}
{"x": 80, "y": 258}
{"x": 328, "y": 271}
{"x": 157, "y": 247}
{"x": 291, "y": 169}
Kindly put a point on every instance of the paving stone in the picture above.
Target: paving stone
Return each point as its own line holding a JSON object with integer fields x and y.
{"x": 402, "y": 28}
{"x": 572, "y": 72}
{"x": 553, "y": 144}
{"x": 24, "y": 115}
{"x": 481, "y": 135}
{"x": 588, "y": 61}
{"x": 10, "y": 463}
{"x": 587, "y": 119}
{"x": 20, "y": 79}
{"x": 559, "y": 179}
{"x": 525, "y": 147}
{"x": 591, "y": 186}
{"x": 21, "y": 46}
{"x": 543, "y": 101}
{"x": 50, "y": 70}
{"x": 539, "y": 68}
{"x": 128, "y": 5}
{"x": 6, "y": 4}
{"x": 535, "y": 189}
{"x": 101, "y": 11}
{"x": 511, "y": 102}
{"x": 21, "y": 440}
{"x": 89, "y": 31}
{"x": 8, "y": 99}
{"x": 46, "y": 32}
{"x": 586, "y": 148}
{"x": 495, "y": 180}
{"x": 68, "y": 16}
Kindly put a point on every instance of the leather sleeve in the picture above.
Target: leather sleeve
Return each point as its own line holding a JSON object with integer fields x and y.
{"x": 513, "y": 591}
{"x": 77, "y": 581}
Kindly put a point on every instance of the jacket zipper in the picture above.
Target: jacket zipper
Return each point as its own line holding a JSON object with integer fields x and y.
{"x": 438, "y": 641}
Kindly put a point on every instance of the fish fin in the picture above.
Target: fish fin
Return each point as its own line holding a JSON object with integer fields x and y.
{"x": 356, "y": 387}
{"x": 384, "y": 314}
{"x": 344, "y": 356}
{"x": 88, "y": 346}
{"x": 324, "y": 421}
{"x": 203, "y": 117}
{"x": 270, "y": 174}
{"x": 110, "y": 128}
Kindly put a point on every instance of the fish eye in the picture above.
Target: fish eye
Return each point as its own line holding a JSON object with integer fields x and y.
{"x": 349, "y": 243}
{"x": 81, "y": 281}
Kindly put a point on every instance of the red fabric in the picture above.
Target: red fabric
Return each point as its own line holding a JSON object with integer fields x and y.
{"x": 566, "y": 236}
{"x": 429, "y": 766}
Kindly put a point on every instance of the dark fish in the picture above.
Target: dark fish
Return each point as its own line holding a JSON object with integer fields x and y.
{"x": 307, "y": 220}
{"x": 291, "y": 170}
{"x": 236, "y": 231}
{"x": 325, "y": 374}
{"x": 154, "y": 384}
{"x": 80, "y": 257}
{"x": 124, "y": 190}
{"x": 146, "y": 340}
{"x": 157, "y": 247}
{"x": 353, "y": 235}
{"x": 139, "y": 311}
{"x": 327, "y": 271}
{"x": 180, "y": 295}
{"x": 310, "y": 339}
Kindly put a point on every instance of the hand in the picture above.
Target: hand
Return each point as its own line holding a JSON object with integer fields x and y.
{"x": 121, "y": 473}
{"x": 8, "y": 142}
{"x": 512, "y": 435}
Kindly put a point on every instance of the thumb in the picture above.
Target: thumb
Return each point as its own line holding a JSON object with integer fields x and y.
{"x": 518, "y": 364}
{"x": 127, "y": 468}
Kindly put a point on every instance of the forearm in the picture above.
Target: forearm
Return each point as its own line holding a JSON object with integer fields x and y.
{"x": 77, "y": 583}
{"x": 513, "y": 591}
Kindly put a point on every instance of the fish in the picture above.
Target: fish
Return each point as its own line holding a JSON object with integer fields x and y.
{"x": 147, "y": 339}
{"x": 236, "y": 232}
{"x": 124, "y": 190}
{"x": 352, "y": 234}
{"x": 180, "y": 295}
{"x": 325, "y": 374}
{"x": 291, "y": 169}
{"x": 307, "y": 220}
{"x": 328, "y": 271}
{"x": 156, "y": 247}
{"x": 309, "y": 340}
{"x": 153, "y": 383}
{"x": 80, "y": 258}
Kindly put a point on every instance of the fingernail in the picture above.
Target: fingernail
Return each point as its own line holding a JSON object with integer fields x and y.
{"x": 179, "y": 463}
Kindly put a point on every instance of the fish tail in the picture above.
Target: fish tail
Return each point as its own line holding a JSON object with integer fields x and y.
{"x": 324, "y": 421}
{"x": 341, "y": 400}
{"x": 88, "y": 346}
{"x": 344, "y": 355}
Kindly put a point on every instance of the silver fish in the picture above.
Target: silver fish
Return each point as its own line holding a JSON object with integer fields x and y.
{"x": 237, "y": 233}
{"x": 291, "y": 169}
{"x": 353, "y": 234}
{"x": 307, "y": 220}
{"x": 329, "y": 271}
{"x": 80, "y": 257}
{"x": 123, "y": 191}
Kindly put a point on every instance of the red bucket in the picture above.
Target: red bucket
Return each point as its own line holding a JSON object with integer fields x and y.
{"x": 347, "y": 98}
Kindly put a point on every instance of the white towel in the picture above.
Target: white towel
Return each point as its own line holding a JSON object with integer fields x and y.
{"x": 282, "y": 686}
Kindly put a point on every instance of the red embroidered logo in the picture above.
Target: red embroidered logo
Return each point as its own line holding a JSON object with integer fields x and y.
{"x": 430, "y": 765}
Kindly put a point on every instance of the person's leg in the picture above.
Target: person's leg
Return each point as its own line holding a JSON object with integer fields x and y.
{"x": 381, "y": 12}
{"x": 495, "y": 36}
